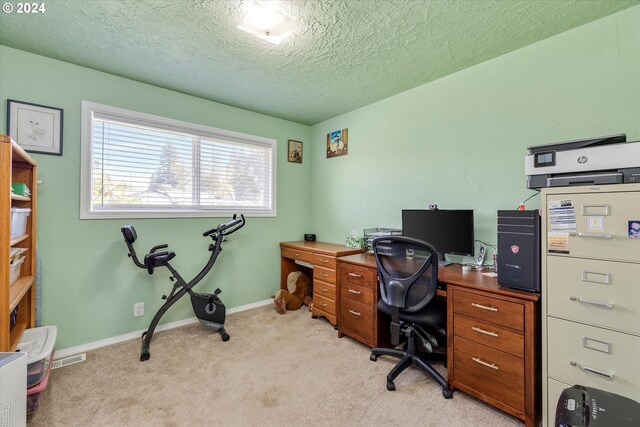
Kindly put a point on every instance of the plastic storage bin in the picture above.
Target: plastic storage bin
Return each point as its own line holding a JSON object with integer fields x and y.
{"x": 38, "y": 343}
{"x": 14, "y": 274}
{"x": 34, "y": 393}
{"x": 19, "y": 221}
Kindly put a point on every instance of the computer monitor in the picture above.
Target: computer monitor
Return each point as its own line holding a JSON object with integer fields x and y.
{"x": 450, "y": 231}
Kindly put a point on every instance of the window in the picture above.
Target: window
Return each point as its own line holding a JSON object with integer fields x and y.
{"x": 136, "y": 165}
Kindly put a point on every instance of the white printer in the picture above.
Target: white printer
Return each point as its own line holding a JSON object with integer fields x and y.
{"x": 595, "y": 161}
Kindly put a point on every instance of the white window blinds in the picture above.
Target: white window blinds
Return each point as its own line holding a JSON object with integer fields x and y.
{"x": 151, "y": 165}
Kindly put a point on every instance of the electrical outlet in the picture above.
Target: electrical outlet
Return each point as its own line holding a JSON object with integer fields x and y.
{"x": 138, "y": 309}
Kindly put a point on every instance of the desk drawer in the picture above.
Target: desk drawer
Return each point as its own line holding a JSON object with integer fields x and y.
{"x": 571, "y": 280}
{"x": 324, "y": 260}
{"x": 493, "y": 336}
{"x": 325, "y": 274}
{"x": 324, "y": 289}
{"x": 349, "y": 291}
{"x": 489, "y": 309}
{"x": 296, "y": 254}
{"x": 358, "y": 276}
{"x": 324, "y": 304}
{"x": 356, "y": 319}
{"x": 490, "y": 372}
{"x": 593, "y": 348}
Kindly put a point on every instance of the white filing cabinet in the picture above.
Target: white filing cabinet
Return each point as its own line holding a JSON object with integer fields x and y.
{"x": 590, "y": 291}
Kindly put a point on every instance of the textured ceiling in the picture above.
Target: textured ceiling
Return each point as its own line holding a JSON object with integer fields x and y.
{"x": 343, "y": 55}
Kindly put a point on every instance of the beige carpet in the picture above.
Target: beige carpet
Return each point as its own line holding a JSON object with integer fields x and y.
{"x": 277, "y": 370}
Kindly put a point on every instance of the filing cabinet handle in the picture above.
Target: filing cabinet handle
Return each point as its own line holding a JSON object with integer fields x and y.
{"x": 355, "y": 292}
{"x": 607, "y": 277}
{"x": 324, "y": 289}
{"x": 484, "y": 307}
{"x": 323, "y": 274}
{"x": 354, "y": 275}
{"x": 594, "y": 235}
{"x": 355, "y": 312}
{"x": 587, "y": 301}
{"x": 589, "y": 369}
{"x": 583, "y": 209}
{"x": 488, "y": 365}
{"x": 482, "y": 331}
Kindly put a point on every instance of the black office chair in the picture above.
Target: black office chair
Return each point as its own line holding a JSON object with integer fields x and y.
{"x": 408, "y": 275}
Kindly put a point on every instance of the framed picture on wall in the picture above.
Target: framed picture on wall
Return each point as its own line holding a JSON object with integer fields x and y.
{"x": 36, "y": 128}
{"x": 337, "y": 143}
{"x": 295, "y": 151}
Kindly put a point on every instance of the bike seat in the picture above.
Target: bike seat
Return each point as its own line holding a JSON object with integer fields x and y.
{"x": 158, "y": 259}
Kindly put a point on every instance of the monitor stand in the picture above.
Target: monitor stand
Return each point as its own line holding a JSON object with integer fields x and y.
{"x": 442, "y": 262}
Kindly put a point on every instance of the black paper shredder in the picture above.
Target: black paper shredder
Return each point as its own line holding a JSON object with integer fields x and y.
{"x": 581, "y": 406}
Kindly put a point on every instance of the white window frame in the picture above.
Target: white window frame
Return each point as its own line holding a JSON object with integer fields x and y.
{"x": 86, "y": 178}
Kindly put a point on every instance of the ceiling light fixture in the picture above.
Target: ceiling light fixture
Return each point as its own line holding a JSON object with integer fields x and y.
{"x": 262, "y": 19}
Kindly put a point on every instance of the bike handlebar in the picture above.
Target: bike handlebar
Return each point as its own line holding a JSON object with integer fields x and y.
{"x": 222, "y": 228}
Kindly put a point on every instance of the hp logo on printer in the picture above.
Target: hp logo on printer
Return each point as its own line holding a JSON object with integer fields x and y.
{"x": 582, "y": 160}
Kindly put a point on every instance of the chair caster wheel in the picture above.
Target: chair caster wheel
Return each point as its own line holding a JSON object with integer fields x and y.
{"x": 225, "y": 337}
{"x": 448, "y": 394}
{"x": 373, "y": 357}
{"x": 390, "y": 385}
{"x": 313, "y": 316}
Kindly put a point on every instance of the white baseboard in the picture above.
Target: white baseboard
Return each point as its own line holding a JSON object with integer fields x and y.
{"x": 137, "y": 334}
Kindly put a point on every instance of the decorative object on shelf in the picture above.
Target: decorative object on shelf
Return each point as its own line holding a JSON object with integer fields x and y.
{"x": 295, "y": 151}
{"x": 337, "y": 143}
{"x": 36, "y": 128}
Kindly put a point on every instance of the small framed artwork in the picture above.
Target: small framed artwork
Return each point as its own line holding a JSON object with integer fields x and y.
{"x": 295, "y": 151}
{"x": 337, "y": 143}
{"x": 36, "y": 128}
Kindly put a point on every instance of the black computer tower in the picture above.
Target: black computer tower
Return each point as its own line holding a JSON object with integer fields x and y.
{"x": 519, "y": 250}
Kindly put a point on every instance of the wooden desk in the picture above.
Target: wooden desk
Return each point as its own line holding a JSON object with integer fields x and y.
{"x": 321, "y": 258}
{"x": 493, "y": 333}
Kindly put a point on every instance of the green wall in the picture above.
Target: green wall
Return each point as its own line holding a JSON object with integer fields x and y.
{"x": 460, "y": 141}
{"x": 89, "y": 284}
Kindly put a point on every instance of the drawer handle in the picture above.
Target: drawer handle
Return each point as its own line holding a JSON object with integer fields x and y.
{"x": 488, "y": 365}
{"x": 355, "y": 313}
{"x": 296, "y": 254}
{"x": 324, "y": 304}
{"x": 594, "y": 370}
{"x": 324, "y": 260}
{"x": 594, "y": 235}
{"x": 354, "y": 275}
{"x": 323, "y": 274}
{"x": 482, "y": 331}
{"x": 324, "y": 289}
{"x": 355, "y": 292}
{"x": 588, "y": 301}
{"x": 606, "y": 281}
{"x": 484, "y": 307}
{"x": 583, "y": 209}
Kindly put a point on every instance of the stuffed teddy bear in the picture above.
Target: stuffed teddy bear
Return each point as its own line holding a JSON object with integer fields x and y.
{"x": 296, "y": 294}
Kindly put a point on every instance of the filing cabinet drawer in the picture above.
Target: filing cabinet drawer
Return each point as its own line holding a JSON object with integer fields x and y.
{"x": 490, "y": 372}
{"x": 580, "y": 289}
{"x": 296, "y": 254}
{"x": 324, "y": 289}
{"x": 324, "y": 304}
{"x": 554, "y": 390}
{"x": 324, "y": 274}
{"x": 489, "y": 309}
{"x": 602, "y": 225}
{"x": 596, "y": 353}
{"x": 356, "y": 319}
{"x": 493, "y": 336}
{"x": 324, "y": 260}
{"x": 358, "y": 276}
{"x": 358, "y": 294}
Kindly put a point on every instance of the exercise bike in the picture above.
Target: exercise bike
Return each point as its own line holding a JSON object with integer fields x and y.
{"x": 208, "y": 308}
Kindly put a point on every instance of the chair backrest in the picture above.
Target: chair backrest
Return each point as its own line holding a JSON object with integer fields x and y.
{"x": 407, "y": 271}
